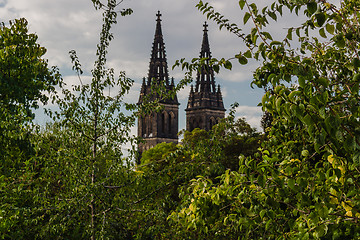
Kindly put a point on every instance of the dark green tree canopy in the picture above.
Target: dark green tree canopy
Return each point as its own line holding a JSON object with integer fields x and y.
{"x": 25, "y": 77}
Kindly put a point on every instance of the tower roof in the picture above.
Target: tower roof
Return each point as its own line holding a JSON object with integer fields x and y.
{"x": 205, "y": 94}
{"x": 205, "y": 80}
{"x": 205, "y": 46}
{"x": 158, "y": 69}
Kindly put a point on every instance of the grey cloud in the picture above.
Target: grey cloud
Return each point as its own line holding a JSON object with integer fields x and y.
{"x": 74, "y": 24}
{"x": 3, "y": 3}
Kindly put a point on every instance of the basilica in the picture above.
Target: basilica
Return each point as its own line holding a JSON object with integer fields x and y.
{"x": 205, "y": 104}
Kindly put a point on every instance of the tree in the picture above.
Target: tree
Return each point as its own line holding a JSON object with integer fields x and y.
{"x": 167, "y": 172}
{"x": 24, "y": 74}
{"x": 66, "y": 188}
{"x": 25, "y": 80}
{"x": 97, "y": 126}
{"x": 305, "y": 182}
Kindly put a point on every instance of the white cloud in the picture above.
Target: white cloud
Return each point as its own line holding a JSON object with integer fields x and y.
{"x": 252, "y": 115}
{"x": 183, "y": 94}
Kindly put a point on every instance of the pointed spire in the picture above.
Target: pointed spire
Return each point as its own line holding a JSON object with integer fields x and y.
{"x": 205, "y": 80}
{"x": 143, "y": 86}
{"x": 158, "y": 68}
{"x": 205, "y": 46}
{"x": 205, "y": 94}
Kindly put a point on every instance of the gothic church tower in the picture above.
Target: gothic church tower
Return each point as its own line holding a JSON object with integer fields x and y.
{"x": 205, "y": 106}
{"x": 157, "y": 127}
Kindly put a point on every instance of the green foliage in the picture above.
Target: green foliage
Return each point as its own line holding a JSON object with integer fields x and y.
{"x": 304, "y": 183}
{"x": 167, "y": 172}
{"x": 158, "y": 154}
{"x": 71, "y": 184}
{"x": 25, "y": 79}
{"x": 94, "y": 127}
{"x": 24, "y": 74}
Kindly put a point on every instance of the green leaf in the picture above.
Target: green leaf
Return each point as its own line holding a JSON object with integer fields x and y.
{"x": 275, "y": 43}
{"x": 320, "y": 230}
{"x": 267, "y": 35}
{"x": 356, "y": 63}
{"x": 289, "y": 35}
{"x": 242, "y": 4}
{"x": 272, "y": 15}
{"x": 320, "y": 18}
{"x": 293, "y": 94}
{"x": 291, "y": 183}
{"x": 228, "y": 65}
{"x": 301, "y": 82}
{"x": 330, "y": 28}
{"x": 248, "y": 54}
{"x": 308, "y": 120}
{"x": 216, "y": 68}
{"x": 261, "y": 180}
{"x": 312, "y": 7}
{"x": 305, "y": 153}
{"x": 322, "y": 32}
{"x": 249, "y": 212}
{"x": 323, "y": 81}
{"x": 356, "y": 79}
{"x": 328, "y": 123}
{"x": 246, "y": 17}
{"x": 262, "y": 213}
{"x": 242, "y": 60}
{"x": 340, "y": 41}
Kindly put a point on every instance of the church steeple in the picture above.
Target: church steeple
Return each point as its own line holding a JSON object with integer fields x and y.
{"x": 158, "y": 69}
{"x": 205, "y": 46}
{"x": 205, "y": 106}
{"x": 157, "y": 127}
{"x": 205, "y": 81}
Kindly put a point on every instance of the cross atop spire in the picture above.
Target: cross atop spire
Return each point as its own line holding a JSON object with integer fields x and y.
{"x": 205, "y": 26}
{"x": 158, "y": 15}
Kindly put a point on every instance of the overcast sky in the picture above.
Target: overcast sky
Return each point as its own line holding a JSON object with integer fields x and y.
{"x": 63, "y": 25}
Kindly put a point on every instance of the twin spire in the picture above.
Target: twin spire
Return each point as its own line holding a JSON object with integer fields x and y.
{"x": 205, "y": 81}
{"x": 158, "y": 68}
{"x": 205, "y": 105}
{"x": 205, "y": 94}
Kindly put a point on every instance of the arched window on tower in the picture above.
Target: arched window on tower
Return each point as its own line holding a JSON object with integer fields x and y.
{"x": 143, "y": 127}
{"x": 162, "y": 122}
{"x": 200, "y": 123}
{"x": 149, "y": 124}
{"x": 171, "y": 123}
{"x": 212, "y": 122}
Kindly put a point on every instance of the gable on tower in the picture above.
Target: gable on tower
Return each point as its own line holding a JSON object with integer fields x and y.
{"x": 205, "y": 105}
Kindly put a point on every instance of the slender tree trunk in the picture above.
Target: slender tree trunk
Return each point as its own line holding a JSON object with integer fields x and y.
{"x": 92, "y": 204}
